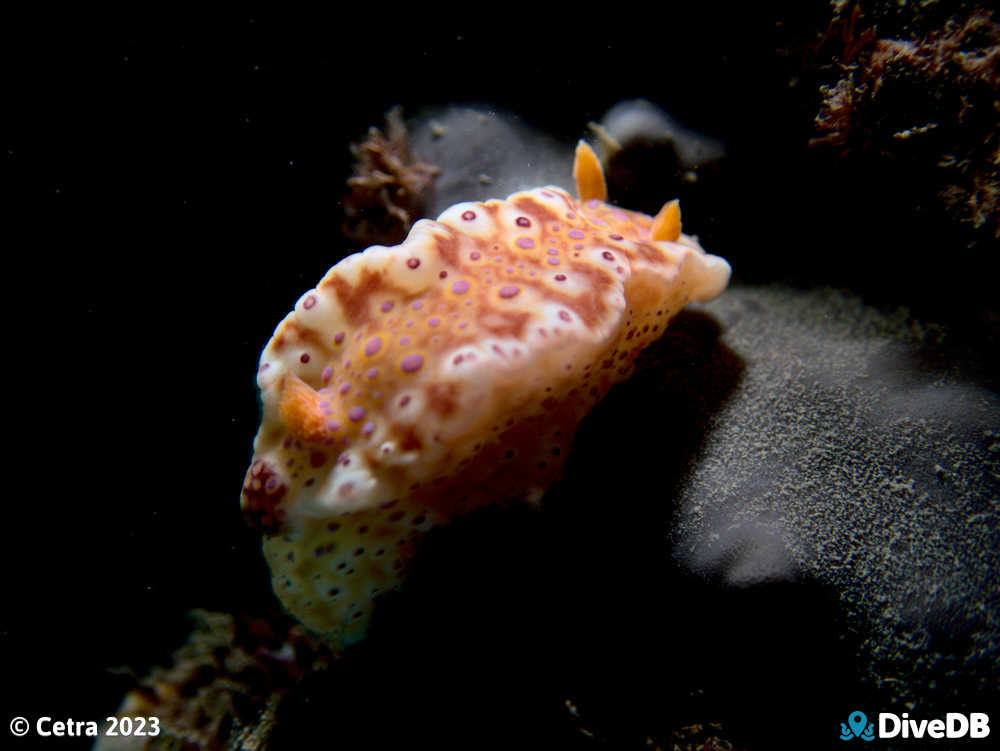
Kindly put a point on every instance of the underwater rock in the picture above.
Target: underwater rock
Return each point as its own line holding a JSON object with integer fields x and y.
{"x": 486, "y": 153}
{"x": 222, "y": 685}
{"x": 648, "y": 156}
{"x": 906, "y": 97}
{"x": 860, "y": 450}
{"x": 640, "y": 122}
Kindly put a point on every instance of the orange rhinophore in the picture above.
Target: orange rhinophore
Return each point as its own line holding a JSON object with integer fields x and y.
{"x": 419, "y": 382}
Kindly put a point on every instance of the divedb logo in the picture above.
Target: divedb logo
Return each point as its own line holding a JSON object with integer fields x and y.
{"x": 954, "y": 725}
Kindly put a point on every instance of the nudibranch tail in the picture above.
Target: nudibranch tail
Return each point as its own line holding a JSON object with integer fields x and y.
{"x": 419, "y": 382}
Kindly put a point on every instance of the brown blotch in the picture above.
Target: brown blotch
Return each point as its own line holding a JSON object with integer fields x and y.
{"x": 504, "y": 323}
{"x": 541, "y": 212}
{"x": 651, "y": 253}
{"x": 448, "y": 249}
{"x": 441, "y": 398}
{"x": 354, "y": 299}
{"x": 409, "y": 441}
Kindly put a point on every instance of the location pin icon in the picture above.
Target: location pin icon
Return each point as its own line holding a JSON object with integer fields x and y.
{"x": 857, "y": 721}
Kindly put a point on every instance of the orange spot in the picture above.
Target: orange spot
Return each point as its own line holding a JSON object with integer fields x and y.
{"x": 300, "y": 410}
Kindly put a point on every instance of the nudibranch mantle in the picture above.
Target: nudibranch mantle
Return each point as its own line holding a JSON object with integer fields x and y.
{"x": 419, "y": 382}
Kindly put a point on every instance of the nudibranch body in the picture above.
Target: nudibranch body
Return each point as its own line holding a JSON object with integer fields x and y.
{"x": 418, "y": 382}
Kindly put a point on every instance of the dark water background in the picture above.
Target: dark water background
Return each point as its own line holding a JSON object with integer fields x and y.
{"x": 175, "y": 185}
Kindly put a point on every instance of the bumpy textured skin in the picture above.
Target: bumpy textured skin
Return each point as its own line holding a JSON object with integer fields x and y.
{"x": 418, "y": 382}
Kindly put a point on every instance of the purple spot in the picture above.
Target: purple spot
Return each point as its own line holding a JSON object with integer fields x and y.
{"x": 576, "y": 234}
{"x": 332, "y": 425}
{"x": 372, "y": 346}
{"x": 474, "y": 255}
{"x": 553, "y": 262}
{"x": 608, "y": 255}
{"x": 434, "y": 322}
{"x": 327, "y": 374}
{"x": 616, "y": 237}
{"x": 463, "y": 324}
{"x": 460, "y": 287}
{"x": 411, "y": 363}
{"x": 339, "y": 338}
{"x": 578, "y": 246}
{"x": 457, "y": 360}
{"x": 523, "y": 221}
{"x": 571, "y": 215}
{"x": 593, "y": 203}
{"x": 553, "y": 251}
{"x": 356, "y": 414}
{"x": 386, "y": 306}
{"x": 560, "y": 277}
{"x": 309, "y": 302}
{"x": 555, "y": 227}
{"x": 564, "y": 316}
{"x": 509, "y": 291}
{"x": 468, "y": 215}
{"x": 344, "y": 388}
{"x": 368, "y": 429}
{"x": 372, "y": 374}
{"x": 413, "y": 263}
{"x": 404, "y": 341}
{"x": 525, "y": 242}
{"x": 417, "y": 305}
{"x": 404, "y": 401}
{"x": 324, "y": 404}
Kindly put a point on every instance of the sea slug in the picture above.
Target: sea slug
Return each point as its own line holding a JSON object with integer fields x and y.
{"x": 419, "y": 382}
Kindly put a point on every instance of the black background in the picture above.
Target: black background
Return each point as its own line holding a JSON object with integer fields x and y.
{"x": 173, "y": 187}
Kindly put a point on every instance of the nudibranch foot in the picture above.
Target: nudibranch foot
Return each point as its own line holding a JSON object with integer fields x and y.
{"x": 419, "y": 382}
